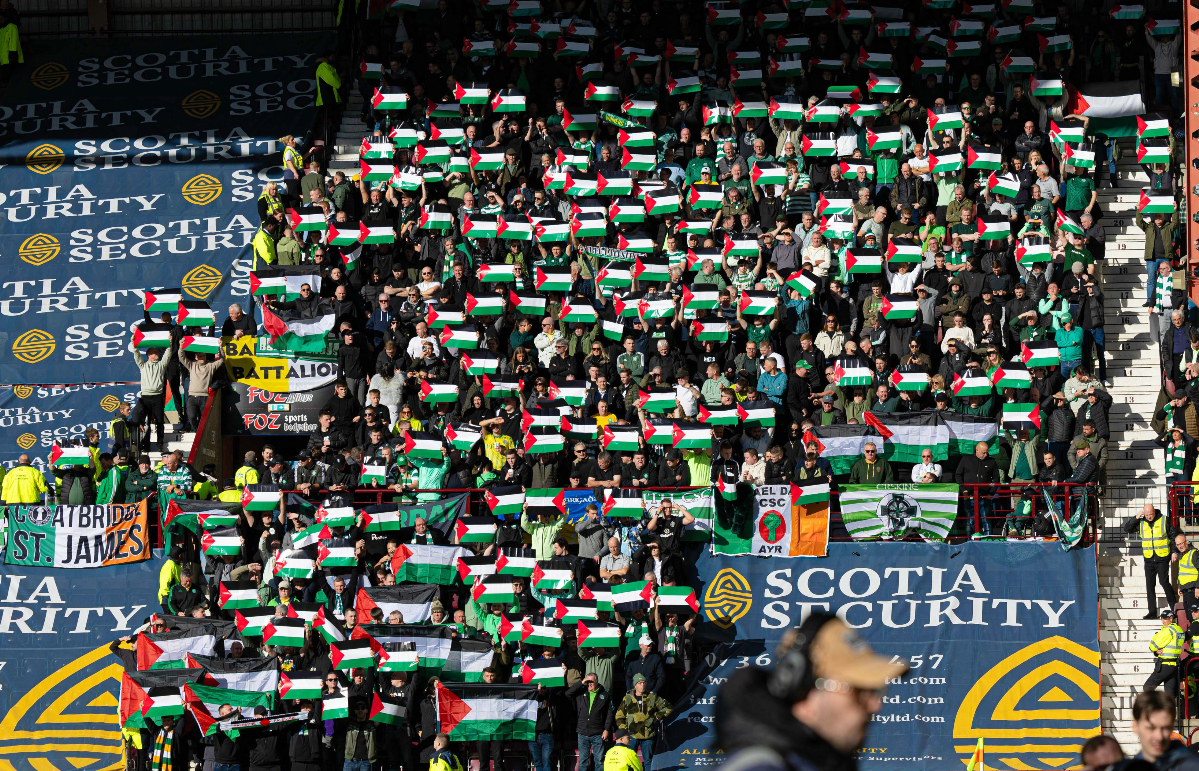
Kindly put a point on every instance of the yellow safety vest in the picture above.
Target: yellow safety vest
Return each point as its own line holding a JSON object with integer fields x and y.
{"x": 264, "y": 246}
{"x": 1167, "y": 644}
{"x": 229, "y": 496}
{"x": 445, "y": 761}
{"x": 1154, "y": 542}
{"x": 273, "y": 205}
{"x": 246, "y": 475}
{"x": 621, "y": 758}
{"x": 1188, "y": 573}
{"x": 292, "y": 154}
{"x": 325, "y": 72}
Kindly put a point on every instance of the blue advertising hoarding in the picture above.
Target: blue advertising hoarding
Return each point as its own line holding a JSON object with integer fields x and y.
{"x": 1003, "y": 640}
{"x": 59, "y": 684}
{"x": 135, "y": 164}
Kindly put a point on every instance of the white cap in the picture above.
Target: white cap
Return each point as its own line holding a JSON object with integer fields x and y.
{"x": 645, "y": 640}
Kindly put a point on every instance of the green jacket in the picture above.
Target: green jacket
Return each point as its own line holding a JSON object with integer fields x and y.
{"x": 543, "y": 534}
{"x": 578, "y": 345}
{"x": 112, "y": 485}
{"x": 641, "y": 717}
{"x": 1151, "y": 234}
{"x": 877, "y": 473}
{"x": 139, "y": 485}
{"x": 430, "y": 475}
{"x": 356, "y": 732}
{"x": 288, "y": 251}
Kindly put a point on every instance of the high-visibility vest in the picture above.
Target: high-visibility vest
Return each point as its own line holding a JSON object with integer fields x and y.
{"x": 229, "y": 496}
{"x": 112, "y": 426}
{"x": 246, "y": 475}
{"x": 621, "y": 758}
{"x": 1154, "y": 542}
{"x": 1188, "y": 573}
{"x": 292, "y": 154}
{"x": 264, "y": 247}
{"x": 273, "y": 205}
{"x": 325, "y": 72}
{"x": 1167, "y": 644}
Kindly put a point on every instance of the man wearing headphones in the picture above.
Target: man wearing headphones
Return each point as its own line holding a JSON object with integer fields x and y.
{"x": 812, "y": 710}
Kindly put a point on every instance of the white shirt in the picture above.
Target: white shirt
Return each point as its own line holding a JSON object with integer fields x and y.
{"x": 416, "y": 345}
{"x": 920, "y": 469}
{"x": 904, "y": 282}
{"x": 686, "y": 400}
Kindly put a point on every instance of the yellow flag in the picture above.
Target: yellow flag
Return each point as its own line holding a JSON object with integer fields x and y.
{"x": 976, "y": 760}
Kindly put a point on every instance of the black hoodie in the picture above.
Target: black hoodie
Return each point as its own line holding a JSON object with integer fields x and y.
{"x": 748, "y": 717}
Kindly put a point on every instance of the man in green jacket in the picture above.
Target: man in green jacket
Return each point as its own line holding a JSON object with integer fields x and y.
{"x": 111, "y": 488}
{"x": 871, "y": 469}
{"x": 1159, "y": 246}
{"x": 543, "y": 531}
{"x": 142, "y": 482}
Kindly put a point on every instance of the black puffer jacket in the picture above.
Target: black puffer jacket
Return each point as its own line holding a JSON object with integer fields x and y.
{"x": 750, "y": 719}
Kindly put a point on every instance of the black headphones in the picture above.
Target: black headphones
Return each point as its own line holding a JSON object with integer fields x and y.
{"x": 792, "y": 678}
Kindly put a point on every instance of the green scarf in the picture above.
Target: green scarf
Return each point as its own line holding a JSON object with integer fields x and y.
{"x": 161, "y": 759}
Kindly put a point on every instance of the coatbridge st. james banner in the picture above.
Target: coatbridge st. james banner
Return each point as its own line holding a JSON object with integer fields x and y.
{"x": 1002, "y": 639}
{"x": 131, "y": 164}
{"x": 59, "y": 685}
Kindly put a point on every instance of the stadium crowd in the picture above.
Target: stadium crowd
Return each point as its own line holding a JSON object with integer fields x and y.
{"x": 803, "y": 236}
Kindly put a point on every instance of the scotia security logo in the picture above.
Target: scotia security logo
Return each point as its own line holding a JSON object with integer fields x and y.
{"x": 39, "y": 249}
{"x": 202, "y": 189}
{"x": 33, "y": 346}
{"x": 44, "y": 159}
{"x": 49, "y": 76}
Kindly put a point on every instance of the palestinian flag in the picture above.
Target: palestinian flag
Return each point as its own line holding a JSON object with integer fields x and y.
{"x": 431, "y": 151}
{"x": 300, "y": 685}
{"x": 398, "y": 657}
{"x": 574, "y": 312}
{"x": 637, "y": 108}
{"x": 160, "y": 702}
{"x": 1079, "y": 156}
{"x": 200, "y": 515}
{"x": 721, "y": 415}
{"x": 382, "y": 101}
{"x": 547, "y": 576}
{"x": 551, "y": 282}
{"x": 545, "y": 501}
{"x": 542, "y": 417}
{"x": 573, "y": 392}
{"x": 618, "y": 183}
{"x": 826, "y": 206}
{"x": 601, "y": 594}
{"x": 515, "y": 561}
{"x": 208, "y": 345}
{"x": 859, "y": 170}
{"x": 1071, "y": 132}
{"x": 338, "y": 552}
{"x": 681, "y": 599}
{"x": 1121, "y": 99}
{"x": 1067, "y": 223}
{"x": 376, "y": 171}
{"x": 466, "y": 660}
{"x": 570, "y": 611}
{"x": 1153, "y": 125}
{"x": 549, "y": 673}
{"x": 597, "y": 634}
{"x": 480, "y": 225}
{"x": 475, "y": 529}
{"x": 478, "y": 711}
{"x": 432, "y": 391}
{"x": 404, "y": 137}
{"x": 859, "y": 260}
{"x": 929, "y": 66}
{"x": 369, "y": 151}
{"x": 993, "y": 229}
{"x": 426, "y": 564}
{"x": 195, "y": 313}
{"x": 948, "y": 118}
{"x": 160, "y": 300}
{"x": 546, "y": 231}
{"x": 487, "y": 161}
{"x": 542, "y": 440}
{"x": 619, "y": 439}
{"x": 335, "y": 516}
{"x": 657, "y": 399}
{"x": 758, "y": 416}
{"x": 251, "y": 621}
{"x": 1040, "y": 354}
{"x": 907, "y": 378}
{"x": 768, "y": 173}
{"x": 711, "y": 330}
{"x": 1153, "y": 151}
{"x": 1012, "y": 375}
{"x": 842, "y": 445}
{"x": 1053, "y": 87}
{"x": 223, "y": 541}
{"x": 327, "y": 627}
{"x": 1154, "y": 202}
{"x": 631, "y": 596}
{"x": 579, "y": 121}
{"x": 706, "y": 196}
{"x": 419, "y": 444}
{"x": 601, "y": 93}
{"x": 866, "y": 111}
{"x": 1018, "y": 416}
{"x": 906, "y": 434}
{"x": 389, "y": 712}
{"x": 692, "y": 436}
{"x": 884, "y": 138}
{"x": 950, "y": 160}
{"x": 297, "y": 334}
{"x": 1000, "y": 34}
{"x": 851, "y": 371}
{"x": 645, "y": 270}
{"x": 286, "y": 282}
{"x": 505, "y": 500}
{"x": 260, "y": 497}
{"x": 510, "y": 99}
{"x": 294, "y": 563}
{"x": 818, "y": 146}
{"x": 959, "y": 49}
{"x": 152, "y": 335}
{"x": 823, "y": 112}
{"x": 413, "y": 601}
{"x": 1018, "y": 65}
{"x": 630, "y": 161}
{"x": 1163, "y": 27}
{"x": 901, "y": 307}
{"x": 236, "y": 595}
{"x": 494, "y": 387}
{"x": 305, "y": 611}
{"x": 1055, "y": 43}
{"x": 484, "y": 305}
{"x": 157, "y": 651}
{"x": 975, "y": 383}
{"x": 334, "y": 707}
{"x": 878, "y": 84}
{"x": 740, "y": 247}
{"x": 284, "y": 631}
{"x": 471, "y": 93}
{"x": 1006, "y": 185}
{"x": 1033, "y": 249}
{"x": 979, "y": 157}
{"x": 66, "y": 457}
{"x": 493, "y": 589}
{"x": 754, "y": 303}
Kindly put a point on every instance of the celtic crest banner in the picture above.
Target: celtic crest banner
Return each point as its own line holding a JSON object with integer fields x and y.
{"x": 893, "y": 511}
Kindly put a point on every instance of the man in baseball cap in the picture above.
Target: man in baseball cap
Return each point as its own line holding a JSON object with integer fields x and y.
{"x": 815, "y": 704}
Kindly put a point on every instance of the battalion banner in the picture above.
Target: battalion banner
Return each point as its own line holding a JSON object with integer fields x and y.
{"x": 61, "y": 685}
{"x": 78, "y": 536}
{"x": 1002, "y": 639}
{"x": 139, "y": 156}
{"x": 34, "y": 418}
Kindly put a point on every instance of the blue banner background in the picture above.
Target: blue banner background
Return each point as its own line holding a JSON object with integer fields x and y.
{"x": 161, "y": 193}
{"x": 58, "y": 703}
{"x": 33, "y": 418}
{"x": 1002, "y": 638}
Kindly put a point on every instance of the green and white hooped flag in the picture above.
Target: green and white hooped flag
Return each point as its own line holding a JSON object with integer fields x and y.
{"x": 892, "y": 511}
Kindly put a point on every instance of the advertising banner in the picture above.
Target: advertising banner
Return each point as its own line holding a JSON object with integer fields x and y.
{"x": 33, "y": 418}
{"x": 59, "y": 684}
{"x": 144, "y": 154}
{"x": 1002, "y": 639}
{"x": 78, "y": 536}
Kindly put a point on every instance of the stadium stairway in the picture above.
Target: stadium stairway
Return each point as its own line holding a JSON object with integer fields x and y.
{"x": 1134, "y": 470}
{"x": 344, "y": 156}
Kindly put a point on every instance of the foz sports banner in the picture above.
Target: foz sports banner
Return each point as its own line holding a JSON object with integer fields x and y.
{"x": 135, "y": 163}
{"x": 58, "y": 703}
{"x": 34, "y": 418}
{"x": 1002, "y": 639}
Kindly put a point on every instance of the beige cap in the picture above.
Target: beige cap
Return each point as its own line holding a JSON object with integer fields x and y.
{"x": 838, "y": 653}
